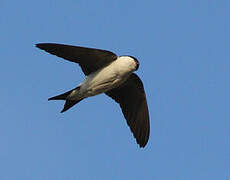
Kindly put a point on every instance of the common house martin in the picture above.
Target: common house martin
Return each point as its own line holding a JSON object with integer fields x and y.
{"x": 110, "y": 74}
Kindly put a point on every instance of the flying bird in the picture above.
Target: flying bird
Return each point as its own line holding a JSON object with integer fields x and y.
{"x": 110, "y": 74}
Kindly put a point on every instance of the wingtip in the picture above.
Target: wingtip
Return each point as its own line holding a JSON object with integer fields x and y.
{"x": 38, "y": 45}
{"x": 143, "y": 141}
{"x": 142, "y": 145}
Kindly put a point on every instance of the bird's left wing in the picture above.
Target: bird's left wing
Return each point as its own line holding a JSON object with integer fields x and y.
{"x": 132, "y": 100}
{"x": 89, "y": 59}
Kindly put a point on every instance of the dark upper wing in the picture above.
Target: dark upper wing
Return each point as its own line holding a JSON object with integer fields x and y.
{"x": 131, "y": 97}
{"x": 89, "y": 59}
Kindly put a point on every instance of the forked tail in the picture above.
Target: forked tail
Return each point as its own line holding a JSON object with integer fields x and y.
{"x": 68, "y": 103}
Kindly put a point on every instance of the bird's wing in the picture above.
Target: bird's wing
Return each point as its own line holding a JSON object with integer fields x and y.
{"x": 89, "y": 59}
{"x": 132, "y": 100}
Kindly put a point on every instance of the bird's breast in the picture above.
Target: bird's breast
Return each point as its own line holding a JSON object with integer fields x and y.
{"x": 104, "y": 79}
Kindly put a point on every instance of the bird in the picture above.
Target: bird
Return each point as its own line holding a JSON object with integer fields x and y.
{"x": 110, "y": 74}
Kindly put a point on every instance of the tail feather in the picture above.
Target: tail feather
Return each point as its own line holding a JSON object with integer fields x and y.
{"x": 61, "y": 96}
{"x": 68, "y": 103}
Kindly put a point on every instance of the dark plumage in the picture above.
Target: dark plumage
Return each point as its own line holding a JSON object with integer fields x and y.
{"x": 130, "y": 94}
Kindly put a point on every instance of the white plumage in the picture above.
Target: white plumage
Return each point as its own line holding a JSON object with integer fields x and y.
{"x": 105, "y": 78}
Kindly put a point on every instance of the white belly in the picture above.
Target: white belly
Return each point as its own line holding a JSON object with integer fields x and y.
{"x": 104, "y": 79}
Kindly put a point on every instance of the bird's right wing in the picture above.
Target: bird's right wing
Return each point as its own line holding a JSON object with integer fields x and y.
{"x": 131, "y": 97}
{"x": 89, "y": 59}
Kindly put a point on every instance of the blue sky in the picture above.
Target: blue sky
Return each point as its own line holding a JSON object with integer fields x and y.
{"x": 183, "y": 49}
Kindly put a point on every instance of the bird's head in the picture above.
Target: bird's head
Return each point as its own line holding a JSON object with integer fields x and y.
{"x": 136, "y": 61}
{"x": 129, "y": 63}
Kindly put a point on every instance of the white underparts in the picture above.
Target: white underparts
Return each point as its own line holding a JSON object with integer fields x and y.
{"x": 105, "y": 79}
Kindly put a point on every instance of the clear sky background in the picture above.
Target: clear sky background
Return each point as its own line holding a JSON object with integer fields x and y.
{"x": 184, "y": 53}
